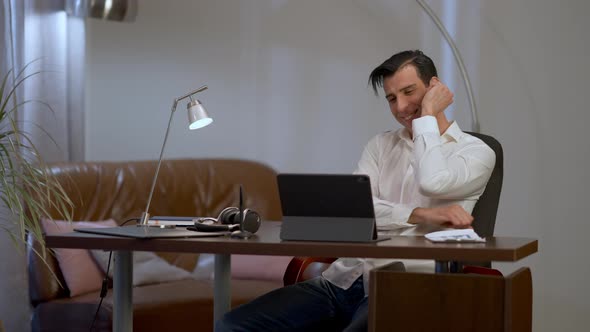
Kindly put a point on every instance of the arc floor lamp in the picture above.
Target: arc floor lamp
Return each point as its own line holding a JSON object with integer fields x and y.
{"x": 458, "y": 60}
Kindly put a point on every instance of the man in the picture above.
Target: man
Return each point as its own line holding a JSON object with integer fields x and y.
{"x": 424, "y": 177}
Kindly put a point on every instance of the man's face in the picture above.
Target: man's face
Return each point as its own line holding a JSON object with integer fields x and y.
{"x": 404, "y": 92}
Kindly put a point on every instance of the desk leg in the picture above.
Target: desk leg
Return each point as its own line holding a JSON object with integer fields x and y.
{"x": 123, "y": 292}
{"x": 222, "y": 286}
{"x": 441, "y": 266}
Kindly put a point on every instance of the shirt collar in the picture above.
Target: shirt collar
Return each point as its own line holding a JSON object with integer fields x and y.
{"x": 404, "y": 135}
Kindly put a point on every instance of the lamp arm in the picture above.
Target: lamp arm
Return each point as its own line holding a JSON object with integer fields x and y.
{"x": 458, "y": 59}
{"x": 145, "y": 216}
{"x": 203, "y": 88}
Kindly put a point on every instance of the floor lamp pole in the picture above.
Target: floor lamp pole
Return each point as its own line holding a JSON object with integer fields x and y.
{"x": 458, "y": 59}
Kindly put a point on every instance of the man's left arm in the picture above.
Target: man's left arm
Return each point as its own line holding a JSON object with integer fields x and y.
{"x": 457, "y": 175}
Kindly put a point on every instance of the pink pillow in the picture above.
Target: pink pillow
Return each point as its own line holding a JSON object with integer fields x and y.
{"x": 259, "y": 267}
{"x": 78, "y": 268}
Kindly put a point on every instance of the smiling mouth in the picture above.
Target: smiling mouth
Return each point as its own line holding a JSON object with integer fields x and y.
{"x": 411, "y": 116}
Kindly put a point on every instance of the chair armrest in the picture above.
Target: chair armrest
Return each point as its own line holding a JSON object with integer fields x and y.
{"x": 305, "y": 268}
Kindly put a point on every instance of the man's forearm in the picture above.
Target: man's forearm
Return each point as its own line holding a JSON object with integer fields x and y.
{"x": 449, "y": 216}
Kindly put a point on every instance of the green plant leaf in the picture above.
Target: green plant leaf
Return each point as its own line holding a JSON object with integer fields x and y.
{"x": 27, "y": 188}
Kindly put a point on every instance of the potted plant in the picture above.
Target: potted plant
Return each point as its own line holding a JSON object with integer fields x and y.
{"x": 27, "y": 189}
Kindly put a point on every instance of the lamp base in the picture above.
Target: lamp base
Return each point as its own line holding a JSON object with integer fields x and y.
{"x": 143, "y": 220}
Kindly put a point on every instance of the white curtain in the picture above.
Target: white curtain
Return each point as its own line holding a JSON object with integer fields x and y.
{"x": 39, "y": 31}
{"x": 14, "y": 309}
{"x": 42, "y": 38}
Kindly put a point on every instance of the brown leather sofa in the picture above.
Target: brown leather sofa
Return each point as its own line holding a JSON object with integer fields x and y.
{"x": 119, "y": 190}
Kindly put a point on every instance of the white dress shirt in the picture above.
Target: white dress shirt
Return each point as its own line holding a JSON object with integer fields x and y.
{"x": 432, "y": 170}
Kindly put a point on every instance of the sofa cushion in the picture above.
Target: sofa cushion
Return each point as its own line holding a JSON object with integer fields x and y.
{"x": 259, "y": 267}
{"x": 79, "y": 270}
{"x": 148, "y": 268}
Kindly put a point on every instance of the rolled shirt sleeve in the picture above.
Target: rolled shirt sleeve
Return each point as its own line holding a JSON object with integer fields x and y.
{"x": 458, "y": 174}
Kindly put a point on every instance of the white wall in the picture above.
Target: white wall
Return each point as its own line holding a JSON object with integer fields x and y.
{"x": 531, "y": 92}
{"x": 288, "y": 86}
{"x": 279, "y": 74}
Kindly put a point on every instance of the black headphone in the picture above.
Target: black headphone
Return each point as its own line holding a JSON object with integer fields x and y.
{"x": 229, "y": 220}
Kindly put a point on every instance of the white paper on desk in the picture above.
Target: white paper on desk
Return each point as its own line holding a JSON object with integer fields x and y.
{"x": 455, "y": 235}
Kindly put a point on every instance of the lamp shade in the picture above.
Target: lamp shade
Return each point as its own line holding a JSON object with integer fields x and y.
{"x": 112, "y": 10}
{"x": 197, "y": 115}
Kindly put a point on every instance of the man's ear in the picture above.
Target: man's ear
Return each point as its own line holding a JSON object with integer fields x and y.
{"x": 433, "y": 80}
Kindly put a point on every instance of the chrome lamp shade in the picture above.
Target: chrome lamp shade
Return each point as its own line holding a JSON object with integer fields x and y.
{"x": 112, "y": 10}
{"x": 197, "y": 115}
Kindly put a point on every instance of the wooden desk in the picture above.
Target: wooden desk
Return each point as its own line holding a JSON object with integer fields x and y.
{"x": 267, "y": 242}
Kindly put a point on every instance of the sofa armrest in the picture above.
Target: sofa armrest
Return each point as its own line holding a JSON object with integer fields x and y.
{"x": 305, "y": 268}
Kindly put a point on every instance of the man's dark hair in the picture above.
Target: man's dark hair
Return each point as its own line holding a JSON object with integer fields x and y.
{"x": 423, "y": 64}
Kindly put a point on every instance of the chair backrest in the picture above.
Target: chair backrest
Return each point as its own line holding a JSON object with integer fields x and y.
{"x": 486, "y": 208}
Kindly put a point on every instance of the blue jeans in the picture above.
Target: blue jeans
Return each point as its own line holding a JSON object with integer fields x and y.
{"x": 312, "y": 305}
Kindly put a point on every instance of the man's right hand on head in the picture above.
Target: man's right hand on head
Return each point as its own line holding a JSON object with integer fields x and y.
{"x": 437, "y": 98}
{"x": 448, "y": 216}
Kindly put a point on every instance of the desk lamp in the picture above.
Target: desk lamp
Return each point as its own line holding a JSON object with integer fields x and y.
{"x": 198, "y": 118}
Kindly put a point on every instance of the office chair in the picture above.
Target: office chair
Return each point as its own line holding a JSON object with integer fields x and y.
{"x": 485, "y": 210}
{"x": 484, "y": 221}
